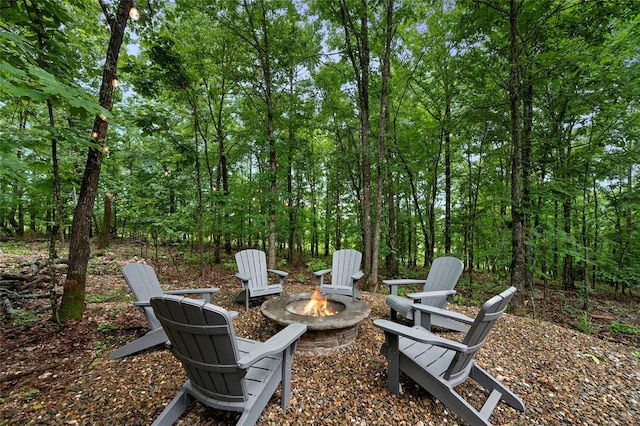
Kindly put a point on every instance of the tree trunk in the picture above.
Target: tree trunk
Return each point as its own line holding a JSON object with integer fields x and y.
{"x": 359, "y": 56}
{"x": 372, "y": 282}
{"x": 517, "y": 231}
{"x": 527, "y": 203}
{"x": 57, "y": 219}
{"x": 391, "y": 260}
{"x": 200, "y": 203}
{"x": 447, "y": 176}
{"x": 72, "y": 303}
{"x": 103, "y": 235}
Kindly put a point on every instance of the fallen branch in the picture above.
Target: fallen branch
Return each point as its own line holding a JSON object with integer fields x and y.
{"x": 602, "y": 317}
{"x": 15, "y": 277}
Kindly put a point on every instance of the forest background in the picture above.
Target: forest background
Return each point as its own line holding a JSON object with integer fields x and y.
{"x": 502, "y": 132}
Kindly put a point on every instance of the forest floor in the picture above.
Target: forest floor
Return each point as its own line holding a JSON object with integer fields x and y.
{"x": 54, "y": 374}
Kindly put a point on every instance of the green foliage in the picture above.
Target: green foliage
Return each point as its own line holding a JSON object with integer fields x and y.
{"x": 459, "y": 299}
{"x": 595, "y": 358}
{"x": 93, "y": 364}
{"x": 403, "y": 290}
{"x": 571, "y": 310}
{"x": 21, "y": 77}
{"x": 584, "y": 323}
{"x": 100, "y": 345}
{"x": 316, "y": 264}
{"x": 29, "y": 393}
{"x": 106, "y": 327}
{"x": 230, "y": 265}
{"x": 624, "y": 328}
{"x": 22, "y": 317}
{"x": 14, "y": 248}
{"x": 194, "y": 115}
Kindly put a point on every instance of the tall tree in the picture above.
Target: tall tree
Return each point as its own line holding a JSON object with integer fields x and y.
{"x": 72, "y": 304}
{"x": 354, "y": 19}
{"x": 383, "y": 128}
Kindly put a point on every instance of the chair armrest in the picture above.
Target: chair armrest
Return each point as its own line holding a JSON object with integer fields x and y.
{"x": 357, "y": 275}
{"x": 320, "y": 275}
{"x": 278, "y": 272}
{"x": 393, "y": 284}
{"x": 322, "y": 272}
{"x": 193, "y": 291}
{"x": 281, "y": 275}
{"x": 420, "y": 335}
{"x": 205, "y": 292}
{"x": 243, "y": 278}
{"x": 443, "y": 313}
{"x": 277, "y": 343}
{"x": 427, "y": 294}
{"x": 232, "y": 314}
{"x": 142, "y": 304}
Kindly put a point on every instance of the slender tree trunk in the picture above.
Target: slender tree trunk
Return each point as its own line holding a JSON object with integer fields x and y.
{"x": 372, "y": 282}
{"x": 359, "y": 56}
{"x": 263, "y": 51}
{"x": 391, "y": 260}
{"x": 290, "y": 208}
{"x": 527, "y": 106}
{"x": 57, "y": 216}
{"x": 517, "y": 231}
{"x": 338, "y": 237}
{"x": 328, "y": 213}
{"x": 447, "y": 177}
{"x": 73, "y": 296}
{"x": 105, "y": 229}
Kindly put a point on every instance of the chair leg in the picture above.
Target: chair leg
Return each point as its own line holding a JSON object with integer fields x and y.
{"x": 149, "y": 340}
{"x": 393, "y": 367}
{"x": 490, "y": 383}
{"x": 175, "y": 409}
{"x": 246, "y": 300}
{"x": 287, "y": 361}
{"x": 394, "y": 315}
{"x": 457, "y": 404}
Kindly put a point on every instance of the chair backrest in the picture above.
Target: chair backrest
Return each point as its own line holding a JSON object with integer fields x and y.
{"x": 345, "y": 263}
{"x": 477, "y": 334}
{"x": 443, "y": 275}
{"x": 203, "y": 340}
{"x": 144, "y": 284}
{"x": 253, "y": 263}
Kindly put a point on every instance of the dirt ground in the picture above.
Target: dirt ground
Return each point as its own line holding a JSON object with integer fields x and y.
{"x": 60, "y": 374}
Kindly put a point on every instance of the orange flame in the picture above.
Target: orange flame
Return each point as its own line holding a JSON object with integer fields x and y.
{"x": 318, "y": 306}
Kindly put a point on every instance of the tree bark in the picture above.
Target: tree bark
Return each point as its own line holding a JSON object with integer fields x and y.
{"x": 517, "y": 235}
{"x": 360, "y": 56}
{"x": 372, "y": 282}
{"x": 105, "y": 229}
{"x": 72, "y": 304}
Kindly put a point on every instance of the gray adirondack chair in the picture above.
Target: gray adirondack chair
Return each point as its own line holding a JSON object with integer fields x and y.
{"x": 224, "y": 371}
{"x": 345, "y": 273}
{"x": 438, "y": 365}
{"x": 441, "y": 280}
{"x": 144, "y": 284}
{"x": 254, "y": 275}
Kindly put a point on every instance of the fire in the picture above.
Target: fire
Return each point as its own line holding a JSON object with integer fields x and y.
{"x": 318, "y": 306}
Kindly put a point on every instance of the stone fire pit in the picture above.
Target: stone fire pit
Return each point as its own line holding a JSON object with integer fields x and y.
{"x": 324, "y": 334}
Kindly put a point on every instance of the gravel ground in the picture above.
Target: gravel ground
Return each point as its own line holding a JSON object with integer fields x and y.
{"x": 563, "y": 376}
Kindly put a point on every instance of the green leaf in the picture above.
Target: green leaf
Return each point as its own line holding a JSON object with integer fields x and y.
{"x": 595, "y": 358}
